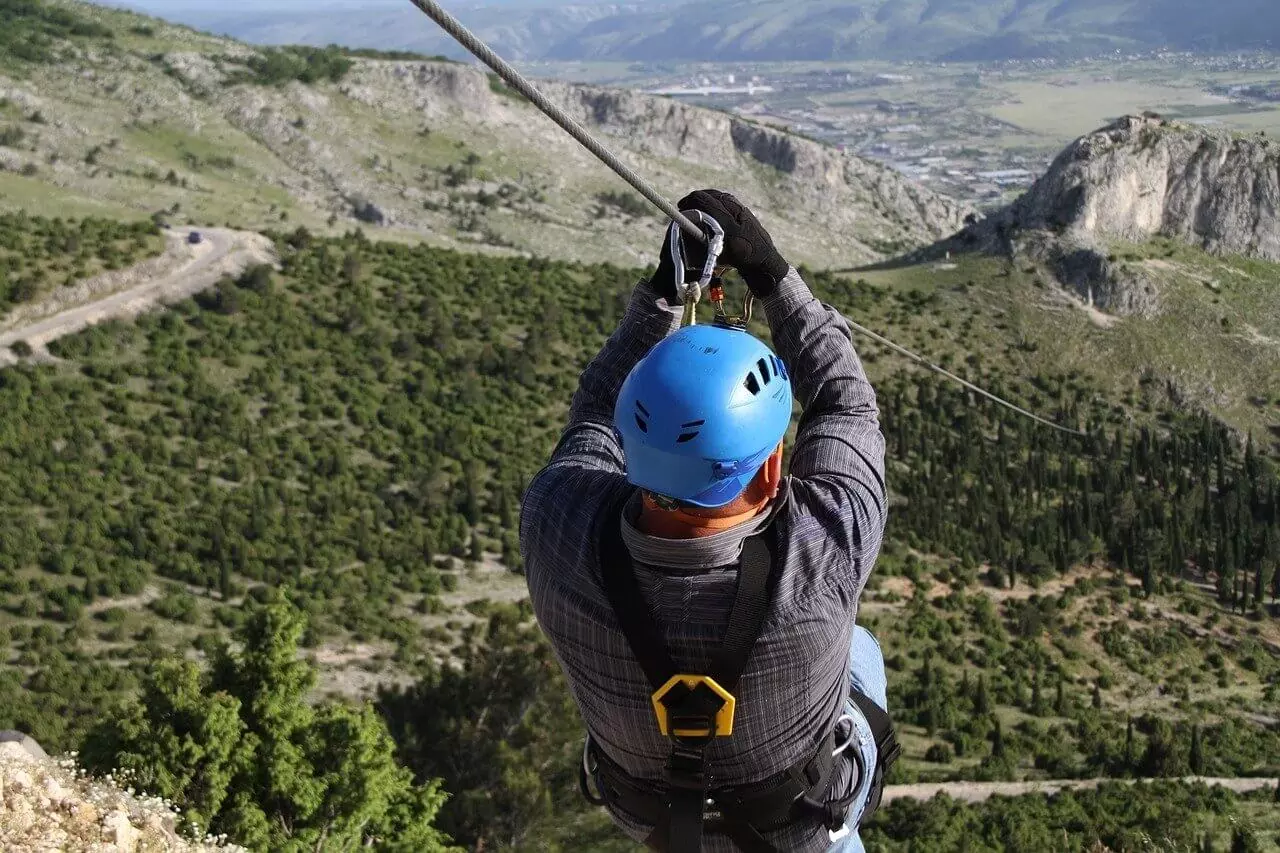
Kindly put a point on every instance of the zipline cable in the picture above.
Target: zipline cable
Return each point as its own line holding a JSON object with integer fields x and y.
{"x": 965, "y": 382}
{"x": 516, "y": 80}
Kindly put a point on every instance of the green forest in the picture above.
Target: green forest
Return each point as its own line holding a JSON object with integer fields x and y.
{"x": 39, "y": 255}
{"x": 325, "y": 454}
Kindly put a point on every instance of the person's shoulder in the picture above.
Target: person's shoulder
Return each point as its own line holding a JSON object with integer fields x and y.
{"x": 805, "y": 517}
{"x": 562, "y": 513}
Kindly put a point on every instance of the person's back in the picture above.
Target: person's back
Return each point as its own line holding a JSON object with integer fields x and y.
{"x": 823, "y": 526}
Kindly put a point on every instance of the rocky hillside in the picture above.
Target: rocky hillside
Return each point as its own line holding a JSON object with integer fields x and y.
{"x": 157, "y": 117}
{"x": 1138, "y": 179}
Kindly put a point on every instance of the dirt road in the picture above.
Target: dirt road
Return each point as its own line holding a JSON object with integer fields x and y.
{"x": 975, "y": 792}
{"x": 182, "y": 271}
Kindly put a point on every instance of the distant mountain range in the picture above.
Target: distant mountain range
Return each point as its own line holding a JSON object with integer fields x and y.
{"x": 759, "y": 30}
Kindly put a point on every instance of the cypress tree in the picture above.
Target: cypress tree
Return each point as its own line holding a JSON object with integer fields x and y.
{"x": 981, "y": 699}
{"x": 1128, "y": 744}
{"x": 1196, "y": 759}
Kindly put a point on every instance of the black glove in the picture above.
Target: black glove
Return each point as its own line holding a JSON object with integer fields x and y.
{"x": 748, "y": 248}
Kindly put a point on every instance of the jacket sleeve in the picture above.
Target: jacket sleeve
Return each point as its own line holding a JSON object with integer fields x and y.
{"x": 837, "y": 463}
{"x": 589, "y": 453}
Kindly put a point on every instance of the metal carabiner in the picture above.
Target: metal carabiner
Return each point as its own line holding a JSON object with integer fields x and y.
{"x": 853, "y": 734}
{"x": 589, "y": 774}
{"x": 714, "y": 246}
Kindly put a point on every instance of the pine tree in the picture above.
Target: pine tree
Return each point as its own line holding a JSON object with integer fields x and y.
{"x": 1244, "y": 841}
{"x": 1128, "y": 744}
{"x": 243, "y": 751}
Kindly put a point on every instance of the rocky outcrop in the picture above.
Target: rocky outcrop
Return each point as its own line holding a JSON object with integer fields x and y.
{"x": 48, "y": 805}
{"x": 1141, "y": 177}
{"x": 435, "y": 149}
{"x": 858, "y": 199}
{"x": 865, "y": 211}
{"x": 1138, "y": 178}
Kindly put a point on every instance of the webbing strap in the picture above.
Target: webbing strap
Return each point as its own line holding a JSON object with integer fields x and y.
{"x": 687, "y": 778}
{"x": 627, "y": 601}
{"x": 887, "y": 750}
{"x": 750, "y": 606}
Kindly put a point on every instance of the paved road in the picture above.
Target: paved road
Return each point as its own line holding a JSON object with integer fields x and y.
{"x": 975, "y": 792}
{"x": 222, "y": 251}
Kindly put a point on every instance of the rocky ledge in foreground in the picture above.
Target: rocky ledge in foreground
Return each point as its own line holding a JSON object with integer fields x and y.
{"x": 50, "y": 806}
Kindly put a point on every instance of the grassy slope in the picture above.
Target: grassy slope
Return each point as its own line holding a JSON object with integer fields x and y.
{"x": 977, "y": 314}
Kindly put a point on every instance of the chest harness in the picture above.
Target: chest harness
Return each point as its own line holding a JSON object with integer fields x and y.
{"x": 692, "y": 710}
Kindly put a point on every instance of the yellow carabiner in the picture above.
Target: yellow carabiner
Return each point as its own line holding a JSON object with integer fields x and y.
{"x": 717, "y": 299}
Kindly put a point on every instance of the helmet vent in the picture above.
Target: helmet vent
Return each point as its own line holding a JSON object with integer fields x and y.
{"x": 764, "y": 370}
{"x": 640, "y": 422}
{"x": 752, "y": 384}
{"x": 642, "y": 417}
{"x": 690, "y": 436}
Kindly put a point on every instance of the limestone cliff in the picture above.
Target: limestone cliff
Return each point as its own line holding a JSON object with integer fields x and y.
{"x": 430, "y": 150}
{"x": 1138, "y": 178}
{"x": 1141, "y": 177}
{"x": 48, "y": 805}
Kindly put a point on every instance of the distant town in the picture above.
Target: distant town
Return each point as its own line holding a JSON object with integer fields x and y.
{"x": 950, "y": 127}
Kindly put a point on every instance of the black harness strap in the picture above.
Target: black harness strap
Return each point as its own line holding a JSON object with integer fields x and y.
{"x": 689, "y": 710}
{"x": 750, "y": 606}
{"x": 887, "y": 750}
{"x": 691, "y": 803}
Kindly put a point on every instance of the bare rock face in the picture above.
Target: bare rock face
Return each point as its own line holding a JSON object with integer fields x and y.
{"x": 867, "y": 211}
{"x": 1138, "y": 178}
{"x": 1142, "y": 177}
{"x": 869, "y": 203}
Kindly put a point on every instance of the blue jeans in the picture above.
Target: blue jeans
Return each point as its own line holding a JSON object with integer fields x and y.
{"x": 866, "y": 670}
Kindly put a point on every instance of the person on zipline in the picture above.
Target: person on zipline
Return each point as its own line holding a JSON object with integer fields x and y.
{"x": 701, "y": 604}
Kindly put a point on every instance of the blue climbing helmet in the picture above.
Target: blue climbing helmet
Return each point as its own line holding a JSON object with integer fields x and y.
{"x": 701, "y": 413}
